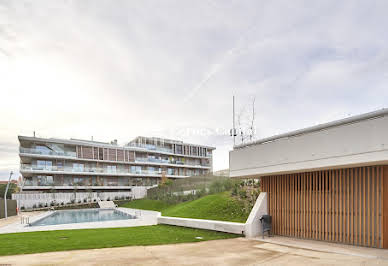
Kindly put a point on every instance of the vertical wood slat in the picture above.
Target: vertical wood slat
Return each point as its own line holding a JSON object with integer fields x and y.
{"x": 345, "y": 205}
{"x": 373, "y": 206}
{"x": 369, "y": 207}
{"x": 316, "y": 204}
{"x": 364, "y": 207}
{"x": 378, "y": 187}
{"x": 332, "y": 205}
{"x": 310, "y": 203}
{"x": 340, "y": 208}
{"x": 351, "y": 207}
{"x": 384, "y": 207}
{"x": 360, "y": 206}
{"x": 356, "y": 207}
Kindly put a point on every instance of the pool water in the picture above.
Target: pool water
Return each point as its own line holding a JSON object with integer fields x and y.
{"x": 82, "y": 216}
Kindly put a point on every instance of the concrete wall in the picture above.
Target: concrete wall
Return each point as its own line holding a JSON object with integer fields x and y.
{"x": 228, "y": 227}
{"x": 28, "y": 200}
{"x": 253, "y": 226}
{"x": 11, "y": 208}
{"x": 359, "y": 143}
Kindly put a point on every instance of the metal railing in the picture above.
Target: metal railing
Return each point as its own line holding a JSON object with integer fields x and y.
{"x": 54, "y": 168}
{"x": 55, "y": 153}
{"x": 150, "y": 147}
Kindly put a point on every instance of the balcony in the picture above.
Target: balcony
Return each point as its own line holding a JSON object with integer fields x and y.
{"x": 41, "y": 152}
{"x": 150, "y": 147}
{"x": 185, "y": 164}
{"x": 99, "y": 170}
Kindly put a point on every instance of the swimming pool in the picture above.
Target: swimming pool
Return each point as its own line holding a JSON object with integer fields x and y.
{"x": 82, "y": 216}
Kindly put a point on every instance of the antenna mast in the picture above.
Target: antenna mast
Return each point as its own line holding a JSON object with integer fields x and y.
{"x": 233, "y": 130}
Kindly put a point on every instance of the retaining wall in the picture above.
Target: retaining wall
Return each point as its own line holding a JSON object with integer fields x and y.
{"x": 228, "y": 227}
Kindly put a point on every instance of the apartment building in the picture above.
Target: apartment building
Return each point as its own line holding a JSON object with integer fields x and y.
{"x": 59, "y": 165}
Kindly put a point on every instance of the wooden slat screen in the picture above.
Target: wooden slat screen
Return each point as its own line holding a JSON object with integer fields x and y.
{"x": 340, "y": 205}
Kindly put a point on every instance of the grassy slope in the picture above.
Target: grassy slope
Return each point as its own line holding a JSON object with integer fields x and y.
{"x": 219, "y": 206}
{"x": 146, "y": 204}
{"x": 37, "y": 242}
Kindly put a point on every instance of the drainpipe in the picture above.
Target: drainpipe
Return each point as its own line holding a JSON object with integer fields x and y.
{"x": 5, "y": 196}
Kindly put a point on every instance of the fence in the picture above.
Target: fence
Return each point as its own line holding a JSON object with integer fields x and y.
{"x": 29, "y": 200}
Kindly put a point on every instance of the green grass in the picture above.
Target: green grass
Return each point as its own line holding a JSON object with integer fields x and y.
{"x": 219, "y": 206}
{"x": 146, "y": 204}
{"x": 38, "y": 242}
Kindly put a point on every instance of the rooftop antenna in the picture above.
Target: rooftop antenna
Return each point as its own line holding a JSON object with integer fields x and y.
{"x": 233, "y": 131}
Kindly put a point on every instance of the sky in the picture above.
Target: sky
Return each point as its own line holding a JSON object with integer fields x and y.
{"x": 119, "y": 69}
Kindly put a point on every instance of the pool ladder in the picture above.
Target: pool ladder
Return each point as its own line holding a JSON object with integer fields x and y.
{"x": 25, "y": 220}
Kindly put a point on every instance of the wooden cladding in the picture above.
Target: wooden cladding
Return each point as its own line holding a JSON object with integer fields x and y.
{"x": 341, "y": 205}
{"x": 119, "y": 155}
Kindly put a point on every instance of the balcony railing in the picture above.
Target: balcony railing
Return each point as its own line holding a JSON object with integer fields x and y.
{"x": 55, "y": 153}
{"x": 30, "y": 167}
{"x": 154, "y": 160}
{"x": 150, "y": 147}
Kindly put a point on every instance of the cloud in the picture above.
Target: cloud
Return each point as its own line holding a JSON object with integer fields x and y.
{"x": 115, "y": 71}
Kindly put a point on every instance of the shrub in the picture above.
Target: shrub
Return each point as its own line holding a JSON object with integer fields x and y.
{"x": 85, "y": 200}
{"x": 46, "y": 205}
{"x": 52, "y": 204}
{"x": 34, "y": 206}
{"x": 242, "y": 194}
{"x": 108, "y": 199}
{"x": 117, "y": 197}
{"x": 22, "y": 208}
{"x": 62, "y": 203}
{"x": 40, "y": 205}
{"x": 79, "y": 201}
{"x": 72, "y": 201}
{"x": 94, "y": 200}
{"x": 127, "y": 197}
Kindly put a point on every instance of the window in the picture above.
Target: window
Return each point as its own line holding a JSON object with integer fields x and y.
{"x": 111, "y": 168}
{"x": 42, "y": 149}
{"x": 44, "y": 165}
{"x": 45, "y": 180}
{"x": 78, "y": 167}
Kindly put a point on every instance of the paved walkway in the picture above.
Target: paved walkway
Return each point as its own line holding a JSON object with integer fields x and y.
{"x": 238, "y": 251}
{"x": 16, "y": 218}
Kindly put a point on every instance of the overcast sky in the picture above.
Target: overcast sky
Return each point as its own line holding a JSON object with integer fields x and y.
{"x": 118, "y": 69}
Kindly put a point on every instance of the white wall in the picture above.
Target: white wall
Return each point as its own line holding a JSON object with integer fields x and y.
{"x": 361, "y": 143}
{"x": 253, "y": 226}
{"x": 221, "y": 226}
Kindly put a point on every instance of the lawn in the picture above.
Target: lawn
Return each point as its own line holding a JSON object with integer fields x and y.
{"x": 38, "y": 242}
{"x": 221, "y": 206}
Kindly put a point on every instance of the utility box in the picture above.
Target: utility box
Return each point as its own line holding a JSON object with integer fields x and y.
{"x": 266, "y": 224}
{"x": 11, "y": 208}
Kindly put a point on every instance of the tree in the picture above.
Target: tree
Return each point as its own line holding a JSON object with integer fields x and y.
{"x": 12, "y": 189}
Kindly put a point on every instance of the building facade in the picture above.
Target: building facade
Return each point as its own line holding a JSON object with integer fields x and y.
{"x": 327, "y": 182}
{"x": 48, "y": 164}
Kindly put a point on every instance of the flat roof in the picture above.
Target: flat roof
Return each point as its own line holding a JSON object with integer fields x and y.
{"x": 90, "y": 142}
{"x": 324, "y": 126}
